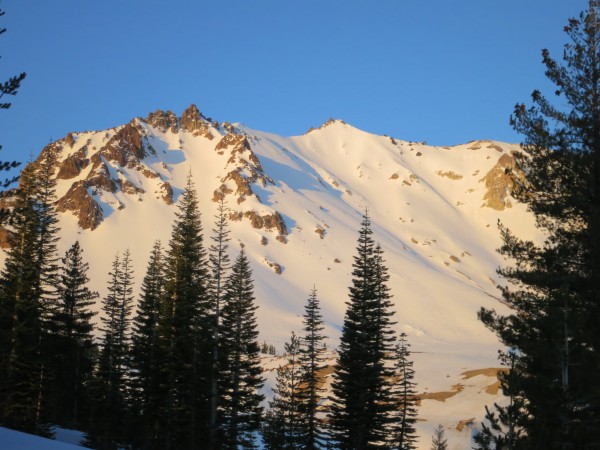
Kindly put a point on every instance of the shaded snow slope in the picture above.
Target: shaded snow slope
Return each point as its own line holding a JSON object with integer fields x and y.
{"x": 296, "y": 205}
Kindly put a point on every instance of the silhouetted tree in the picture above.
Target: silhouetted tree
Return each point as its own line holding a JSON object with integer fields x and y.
{"x": 362, "y": 402}
{"x": 241, "y": 373}
{"x": 554, "y": 288}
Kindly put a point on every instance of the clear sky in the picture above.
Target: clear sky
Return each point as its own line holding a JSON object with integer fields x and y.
{"x": 441, "y": 71}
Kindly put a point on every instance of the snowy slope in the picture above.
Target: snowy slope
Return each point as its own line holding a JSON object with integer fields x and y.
{"x": 296, "y": 205}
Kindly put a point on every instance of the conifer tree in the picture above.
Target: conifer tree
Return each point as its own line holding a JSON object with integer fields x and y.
{"x": 240, "y": 410}
{"x": 312, "y": 362}
{"x": 145, "y": 377}
{"x": 284, "y": 425}
{"x": 555, "y": 286}
{"x": 405, "y": 432}
{"x": 27, "y": 294}
{"x": 219, "y": 264}
{"x": 438, "y": 440}
{"x": 21, "y": 316}
{"x": 362, "y": 404}
{"x": 503, "y": 425}
{"x": 71, "y": 341}
{"x": 110, "y": 388}
{"x": 185, "y": 331}
{"x": 9, "y": 87}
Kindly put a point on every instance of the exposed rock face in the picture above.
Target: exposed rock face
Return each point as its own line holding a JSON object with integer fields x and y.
{"x": 73, "y": 165}
{"x": 267, "y": 221}
{"x": 500, "y": 181}
{"x": 166, "y": 193}
{"x": 194, "y": 122}
{"x": 330, "y": 121}
{"x": 126, "y": 149}
{"x": 163, "y": 121}
{"x": 246, "y": 167}
{"x": 78, "y": 199}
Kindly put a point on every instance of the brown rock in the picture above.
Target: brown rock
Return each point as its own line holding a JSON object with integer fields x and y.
{"x": 78, "y": 201}
{"x": 100, "y": 180}
{"x": 70, "y": 140}
{"x": 166, "y": 193}
{"x": 194, "y": 122}
{"x": 73, "y": 165}
{"x": 163, "y": 121}
{"x": 129, "y": 188}
{"x": 267, "y": 221}
{"x": 500, "y": 181}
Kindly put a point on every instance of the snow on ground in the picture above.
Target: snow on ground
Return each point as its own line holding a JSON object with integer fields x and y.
{"x": 15, "y": 440}
{"x": 426, "y": 205}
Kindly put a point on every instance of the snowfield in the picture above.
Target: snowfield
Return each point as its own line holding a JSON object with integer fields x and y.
{"x": 429, "y": 212}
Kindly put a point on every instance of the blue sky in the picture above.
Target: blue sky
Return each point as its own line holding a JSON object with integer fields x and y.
{"x": 440, "y": 71}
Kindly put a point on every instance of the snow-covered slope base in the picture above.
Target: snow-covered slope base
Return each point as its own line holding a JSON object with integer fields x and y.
{"x": 296, "y": 205}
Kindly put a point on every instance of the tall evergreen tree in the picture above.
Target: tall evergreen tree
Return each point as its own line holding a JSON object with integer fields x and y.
{"x": 21, "y": 316}
{"x": 145, "y": 377}
{"x": 219, "y": 264}
{"x": 362, "y": 404}
{"x": 283, "y": 428}
{"x": 185, "y": 331}
{"x": 110, "y": 388}
{"x": 240, "y": 410}
{"x": 406, "y": 393}
{"x": 28, "y": 291}
{"x": 312, "y": 362}
{"x": 555, "y": 287}
{"x": 71, "y": 342}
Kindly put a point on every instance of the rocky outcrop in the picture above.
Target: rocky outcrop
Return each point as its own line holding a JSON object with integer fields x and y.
{"x": 77, "y": 199}
{"x": 246, "y": 167}
{"x": 194, "y": 122}
{"x": 163, "y": 121}
{"x": 100, "y": 180}
{"x": 267, "y": 221}
{"x": 500, "y": 181}
{"x": 125, "y": 148}
{"x": 166, "y": 193}
{"x": 73, "y": 164}
{"x": 325, "y": 124}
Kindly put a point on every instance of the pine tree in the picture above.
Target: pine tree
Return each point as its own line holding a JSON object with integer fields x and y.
{"x": 312, "y": 362}
{"x": 219, "y": 264}
{"x": 9, "y": 87}
{"x": 284, "y": 425}
{"x": 438, "y": 440}
{"x": 21, "y": 316}
{"x": 109, "y": 394}
{"x": 503, "y": 425}
{"x": 405, "y": 432}
{"x": 185, "y": 331}
{"x": 145, "y": 377}
{"x": 362, "y": 404}
{"x": 555, "y": 287}
{"x": 27, "y": 294}
{"x": 240, "y": 410}
{"x": 71, "y": 341}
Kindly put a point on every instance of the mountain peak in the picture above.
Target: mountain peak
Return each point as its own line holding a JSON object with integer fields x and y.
{"x": 327, "y": 123}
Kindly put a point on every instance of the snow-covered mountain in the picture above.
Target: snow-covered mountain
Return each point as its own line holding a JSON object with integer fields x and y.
{"x": 296, "y": 205}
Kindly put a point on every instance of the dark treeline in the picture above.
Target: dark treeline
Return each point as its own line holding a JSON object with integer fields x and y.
{"x": 181, "y": 370}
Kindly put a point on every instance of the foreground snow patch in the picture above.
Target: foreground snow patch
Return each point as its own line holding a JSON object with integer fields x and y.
{"x": 15, "y": 440}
